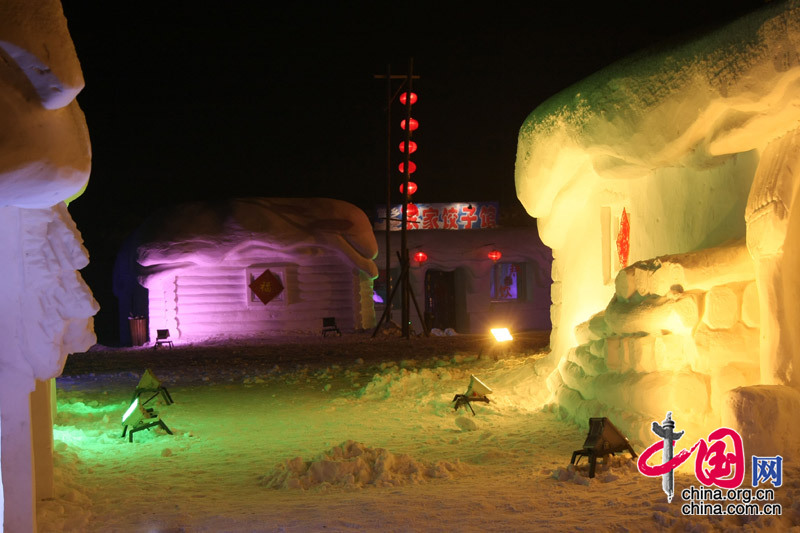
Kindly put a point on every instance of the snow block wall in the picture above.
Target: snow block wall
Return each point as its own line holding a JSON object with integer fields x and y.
{"x": 679, "y": 330}
{"x": 45, "y": 307}
{"x": 198, "y": 260}
{"x": 697, "y": 147}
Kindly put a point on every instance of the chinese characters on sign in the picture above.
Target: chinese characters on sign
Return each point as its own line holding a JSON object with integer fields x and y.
{"x": 453, "y": 216}
{"x": 266, "y": 286}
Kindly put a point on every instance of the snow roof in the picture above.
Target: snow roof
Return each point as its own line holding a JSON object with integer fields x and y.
{"x": 208, "y": 233}
{"x": 688, "y": 105}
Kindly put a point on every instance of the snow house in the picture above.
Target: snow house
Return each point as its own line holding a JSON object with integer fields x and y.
{"x": 467, "y": 273}
{"x": 191, "y": 269}
{"x": 665, "y": 186}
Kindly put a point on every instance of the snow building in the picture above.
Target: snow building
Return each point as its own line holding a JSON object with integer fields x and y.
{"x": 194, "y": 269}
{"x": 466, "y": 271}
{"x": 665, "y": 185}
{"x": 46, "y": 308}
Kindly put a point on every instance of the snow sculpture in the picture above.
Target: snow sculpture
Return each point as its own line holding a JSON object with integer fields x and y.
{"x": 45, "y": 307}
{"x": 198, "y": 260}
{"x": 698, "y": 144}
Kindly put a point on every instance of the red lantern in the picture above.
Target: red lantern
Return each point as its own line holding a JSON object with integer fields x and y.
{"x": 420, "y": 257}
{"x": 495, "y": 255}
{"x": 412, "y": 147}
{"x": 412, "y": 188}
{"x": 412, "y": 167}
{"x": 412, "y": 211}
{"x": 413, "y": 124}
{"x": 403, "y": 98}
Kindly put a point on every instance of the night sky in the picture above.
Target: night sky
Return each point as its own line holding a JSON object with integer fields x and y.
{"x": 206, "y": 100}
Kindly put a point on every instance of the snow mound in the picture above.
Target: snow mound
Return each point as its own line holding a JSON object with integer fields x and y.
{"x": 354, "y": 465}
{"x": 607, "y": 470}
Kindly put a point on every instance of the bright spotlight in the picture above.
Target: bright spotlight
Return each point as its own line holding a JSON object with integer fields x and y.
{"x": 501, "y": 334}
{"x": 476, "y": 392}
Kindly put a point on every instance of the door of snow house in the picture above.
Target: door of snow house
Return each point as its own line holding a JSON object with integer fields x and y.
{"x": 440, "y": 301}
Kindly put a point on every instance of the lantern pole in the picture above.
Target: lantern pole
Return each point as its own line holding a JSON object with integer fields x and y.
{"x": 389, "y": 100}
{"x": 404, "y": 223}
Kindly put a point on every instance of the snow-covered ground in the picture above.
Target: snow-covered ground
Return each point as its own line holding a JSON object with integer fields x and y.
{"x": 343, "y": 434}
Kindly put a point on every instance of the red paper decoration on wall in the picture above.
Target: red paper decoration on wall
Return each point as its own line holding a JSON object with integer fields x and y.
{"x": 623, "y": 239}
{"x": 266, "y": 286}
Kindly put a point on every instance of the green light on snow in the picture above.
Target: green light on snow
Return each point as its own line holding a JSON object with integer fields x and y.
{"x": 131, "y": 409}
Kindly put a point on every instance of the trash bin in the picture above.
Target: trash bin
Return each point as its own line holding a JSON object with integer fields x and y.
{"x": 138, "y": 326}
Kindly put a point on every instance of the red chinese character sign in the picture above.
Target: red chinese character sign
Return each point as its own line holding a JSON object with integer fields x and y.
{"x": 266, "y": 286}
{"x": 451, "y": 216}
{"x": 624, "y": 239}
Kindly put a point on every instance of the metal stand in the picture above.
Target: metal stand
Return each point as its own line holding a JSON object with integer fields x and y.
{"x": 143, "y": 424}
{"x": 463, "y": 399}
{"x": 160, "y": 390}
{"x": 388, "y": 308}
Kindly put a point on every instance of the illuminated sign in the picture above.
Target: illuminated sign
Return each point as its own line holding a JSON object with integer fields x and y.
{"x": 462, "y": 215}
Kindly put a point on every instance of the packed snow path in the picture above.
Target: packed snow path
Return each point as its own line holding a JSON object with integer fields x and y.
{"x": 342, "y": 435}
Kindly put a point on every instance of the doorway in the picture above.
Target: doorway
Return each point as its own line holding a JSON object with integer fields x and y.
{"x": 440, "y": 299}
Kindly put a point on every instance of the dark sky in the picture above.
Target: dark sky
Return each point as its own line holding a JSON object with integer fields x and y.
{"x": 202, "y": 100}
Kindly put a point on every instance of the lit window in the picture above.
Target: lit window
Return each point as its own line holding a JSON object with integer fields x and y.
{"x": 508, "y": 282}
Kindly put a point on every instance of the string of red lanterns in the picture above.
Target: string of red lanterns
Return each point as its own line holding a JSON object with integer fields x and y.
{"x": 407, "y": 98}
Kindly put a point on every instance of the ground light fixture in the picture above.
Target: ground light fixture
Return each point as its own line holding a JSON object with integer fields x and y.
{"x": 150, "y": 385}
{"x": 138, "y": 418}
{"x": 501, "y": 334}
{"x": 476, "y": 392}
{"x": 603, "y": 439}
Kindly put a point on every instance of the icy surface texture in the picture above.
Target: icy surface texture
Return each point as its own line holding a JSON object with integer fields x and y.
{"x": 697, "y": 144}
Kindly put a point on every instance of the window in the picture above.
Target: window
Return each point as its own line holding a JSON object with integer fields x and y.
{"x": 508, "y": 282}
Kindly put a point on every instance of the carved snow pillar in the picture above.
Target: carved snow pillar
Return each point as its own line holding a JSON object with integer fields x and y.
{"x": 771, "y": 234}
{"x": 45, "y": 308}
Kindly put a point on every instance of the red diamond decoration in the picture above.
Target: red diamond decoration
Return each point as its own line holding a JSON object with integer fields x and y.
{"x": 266, "y": 286}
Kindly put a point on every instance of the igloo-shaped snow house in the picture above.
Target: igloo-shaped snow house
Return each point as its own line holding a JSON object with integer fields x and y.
{"x": 198, "y": 262}
{"x": 665, "y": 185}
{"x": 458, "y": 285}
